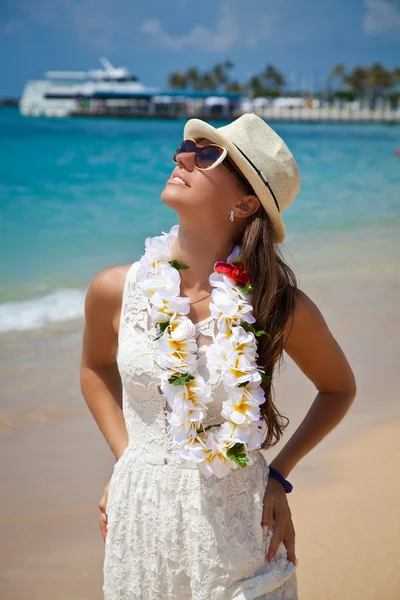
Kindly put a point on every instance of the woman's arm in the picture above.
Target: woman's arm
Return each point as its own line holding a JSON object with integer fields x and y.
{"x": 100, "y": 378}
{"x": 314, "y": 349}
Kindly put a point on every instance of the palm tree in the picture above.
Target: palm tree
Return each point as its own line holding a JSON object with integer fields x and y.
{"x": 255, "y": 87}
{"x": 358, "y": 80}
{"x": 207, "y": 82}
{"x": 274, "y": 80}
{"x": 177, "y": 80}
{"x": 193, "y": 77}
{"x": 235, "y": 86}
{"x": 379, "y": 79}
{"x": 336, "y": 74}
{"x": 219, "y": 72}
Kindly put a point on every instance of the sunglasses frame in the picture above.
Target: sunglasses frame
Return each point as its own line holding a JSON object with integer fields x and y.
{"x": 199, "y": 149}
{"x": 224, "y": 159}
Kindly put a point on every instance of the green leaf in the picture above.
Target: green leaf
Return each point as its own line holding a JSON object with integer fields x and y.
{"x": 208, "y": 427}
{"x": 237, "y": 260}
{"x": 242, "y": 384}
{"x": 181, "y": 379}
{"x": 238, "y": 454}
{"x": 177, "y": 265}
{"x": 259, "y": 332}
{"x": 247, "y": 327}
{"x": 246, "y": 288}
{"x": 265, "y": 378}
{"x": 163, "y": 326}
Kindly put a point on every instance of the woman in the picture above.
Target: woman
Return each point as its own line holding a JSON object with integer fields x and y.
{"x": 193, "y": 511}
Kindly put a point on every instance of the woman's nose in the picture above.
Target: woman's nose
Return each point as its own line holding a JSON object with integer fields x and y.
{"x": 186, "y": 159}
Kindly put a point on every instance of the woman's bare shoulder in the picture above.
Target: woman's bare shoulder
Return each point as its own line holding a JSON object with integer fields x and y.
{"x": 108, "y": 284}
{"x": 104, "y": 295}
{"x": 306, "y": 315}
{"x": 311, "y": 344}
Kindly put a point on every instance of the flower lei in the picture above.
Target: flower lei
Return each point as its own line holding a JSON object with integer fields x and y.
{"x": 234, "y": 352}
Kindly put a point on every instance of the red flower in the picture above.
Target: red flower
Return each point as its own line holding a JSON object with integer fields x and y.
{"x": 235, "y": 272}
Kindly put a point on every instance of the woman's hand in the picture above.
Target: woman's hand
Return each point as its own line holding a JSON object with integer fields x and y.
{"x": 276, "y": 506}
{"x": 103, "y": 514}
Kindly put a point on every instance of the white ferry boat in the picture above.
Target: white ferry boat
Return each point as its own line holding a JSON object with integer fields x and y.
{"x": 64, "y": 93}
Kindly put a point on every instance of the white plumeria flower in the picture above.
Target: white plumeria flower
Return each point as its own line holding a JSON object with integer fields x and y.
{"x": 232, "y": 380}
{"x": 230, "y": 433}
{"x": 178, "y": 361}
{"x": 158, "y": 248}
{"x": 181, "y": 430}
{"x": 240, "y": 367}
{"x": 179, "y": 336}
{"x": 196, "y": 449}
{"x": 243, "y": 340}
{"x": 182, "y": 328}
{"x": 190, "y": 393}
{"x": 220, "y": 280}
{"x": 241, "y": 408}
{"x": 158, "y": 251}
{"x": 226, "y": 350}
{"x": 257, "y": 435}
{"x": 234, "y": 254}
{"x": 189, "y": 404}
{"x": 215, "y": 461}
{"x": 230, "y": 310}
{"x": 166, "y": 281}
{"x": 165, "y": 306}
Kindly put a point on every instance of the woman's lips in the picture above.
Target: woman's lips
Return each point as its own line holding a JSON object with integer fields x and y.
{"x": 178, "y": 182}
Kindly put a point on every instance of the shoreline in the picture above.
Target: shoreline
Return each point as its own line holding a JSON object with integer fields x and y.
{"x": 306, "y": 114}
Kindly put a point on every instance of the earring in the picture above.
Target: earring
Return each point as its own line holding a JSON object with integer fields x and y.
{"x": 232, "y": 216}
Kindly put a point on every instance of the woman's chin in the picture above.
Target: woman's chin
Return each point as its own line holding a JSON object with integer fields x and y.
{"x": 173, "y": 197}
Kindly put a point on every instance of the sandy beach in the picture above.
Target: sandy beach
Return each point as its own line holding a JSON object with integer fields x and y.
{"x": 54, "y": 462}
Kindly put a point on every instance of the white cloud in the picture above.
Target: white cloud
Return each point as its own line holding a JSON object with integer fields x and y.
{"x": 11, "y": 27}
{"x": 380, "y": 16}
{"x": 219, "y": 39}
{"x": 97, "y": 23}
{"x": 237, "y": 25}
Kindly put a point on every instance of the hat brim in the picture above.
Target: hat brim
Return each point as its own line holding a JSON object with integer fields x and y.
{"x": 196, "y": 128}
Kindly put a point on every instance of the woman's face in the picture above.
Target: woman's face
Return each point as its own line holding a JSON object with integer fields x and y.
{"x": 208, "y": 196}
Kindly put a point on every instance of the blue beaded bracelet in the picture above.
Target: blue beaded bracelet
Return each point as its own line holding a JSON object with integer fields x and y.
{"x": 276, "y": 475}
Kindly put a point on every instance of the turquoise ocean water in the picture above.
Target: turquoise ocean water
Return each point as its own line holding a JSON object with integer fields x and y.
{"x": 77, "y": 195}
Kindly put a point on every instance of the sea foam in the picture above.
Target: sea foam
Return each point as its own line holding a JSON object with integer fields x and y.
{"x": 61, "y": 305}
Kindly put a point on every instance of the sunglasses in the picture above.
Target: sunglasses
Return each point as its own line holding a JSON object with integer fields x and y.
{"x": 209, "y": 156}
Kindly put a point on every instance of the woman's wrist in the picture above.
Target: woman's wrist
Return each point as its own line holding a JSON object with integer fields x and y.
{"x": 275, "y": 474}
{"x": 280, "y": 466}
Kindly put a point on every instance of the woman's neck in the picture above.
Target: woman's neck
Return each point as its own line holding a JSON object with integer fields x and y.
{"x": 200, "y": 253}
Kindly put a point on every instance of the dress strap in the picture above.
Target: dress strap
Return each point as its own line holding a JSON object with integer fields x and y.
{"x": 130, "y": 282}
{"x": 135, "y": 306}
{"x": 129, "y": 287}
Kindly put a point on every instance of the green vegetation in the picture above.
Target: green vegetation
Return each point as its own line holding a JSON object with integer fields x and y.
{"x": 360, "y": 82}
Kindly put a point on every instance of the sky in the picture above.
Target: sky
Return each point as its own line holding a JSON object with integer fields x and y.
{"x": 303, "y": 39}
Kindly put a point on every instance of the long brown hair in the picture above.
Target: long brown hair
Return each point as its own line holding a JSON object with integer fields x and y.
{"x": 274, "y": 289}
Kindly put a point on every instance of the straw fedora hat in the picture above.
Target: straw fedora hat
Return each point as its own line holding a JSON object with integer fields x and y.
{"x": 263, "y": 158}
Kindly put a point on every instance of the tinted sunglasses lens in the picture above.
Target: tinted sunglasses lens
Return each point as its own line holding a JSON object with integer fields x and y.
{"x": 186, "y": 146}
{"x": 207, "y": 157}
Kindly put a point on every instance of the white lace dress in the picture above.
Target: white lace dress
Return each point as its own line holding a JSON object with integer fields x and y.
{"x": 173, "y": 533}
